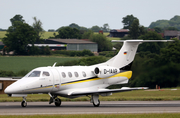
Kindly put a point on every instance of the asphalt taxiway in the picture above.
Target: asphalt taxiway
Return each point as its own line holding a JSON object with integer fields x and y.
{"x": 106, "y": 107}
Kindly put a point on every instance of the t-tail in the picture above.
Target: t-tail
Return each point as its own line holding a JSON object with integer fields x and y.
{"x": 127, "y": 53}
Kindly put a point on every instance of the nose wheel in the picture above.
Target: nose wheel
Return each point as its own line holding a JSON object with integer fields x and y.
{"x": 24, "y": 103}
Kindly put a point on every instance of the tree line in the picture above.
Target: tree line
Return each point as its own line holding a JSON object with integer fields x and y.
{"x": 20, "y": 34}
{"x": 104, "y": 28}
{"x": 161, "y": 25}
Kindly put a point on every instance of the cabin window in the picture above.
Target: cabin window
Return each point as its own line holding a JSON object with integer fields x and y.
{"x": 70, "y": 74}
{"x": 76, "y": 74}
{"x": 63, "y": 74}
{"x": 45, "y": 74}
{"x": 84, "y": 74}
{"x": 35, "y": 74}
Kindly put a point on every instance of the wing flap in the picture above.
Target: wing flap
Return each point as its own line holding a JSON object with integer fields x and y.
{"x": 101, "y": 91}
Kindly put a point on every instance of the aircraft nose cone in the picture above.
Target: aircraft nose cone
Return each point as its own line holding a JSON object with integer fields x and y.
{"x": 8, "y": 90}
{"x": 12, "y": 89}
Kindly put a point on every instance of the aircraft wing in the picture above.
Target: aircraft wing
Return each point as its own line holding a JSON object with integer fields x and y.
{"x": 101, "y": 91}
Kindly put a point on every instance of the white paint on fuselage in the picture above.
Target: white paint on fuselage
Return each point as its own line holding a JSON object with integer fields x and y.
{"x": 58, "y": 84}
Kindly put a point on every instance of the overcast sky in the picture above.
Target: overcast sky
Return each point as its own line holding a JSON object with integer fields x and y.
{"x": 87, "y": 13}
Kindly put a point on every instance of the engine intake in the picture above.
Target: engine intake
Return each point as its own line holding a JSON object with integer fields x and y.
{"x": 96, "y": 70}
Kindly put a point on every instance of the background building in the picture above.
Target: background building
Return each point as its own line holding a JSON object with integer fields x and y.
{"x": 119, "y": 33}
{"x": 1, "y": 45}
{"x": 69, "y": 44}
{"x": 171, "y": 34}
{"x": 4, "y": 82}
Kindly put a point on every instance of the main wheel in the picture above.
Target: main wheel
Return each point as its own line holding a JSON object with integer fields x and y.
{"x": 96, "y": 105}
{"x": 57, "y": 102}
{"x": 23, "y": 103}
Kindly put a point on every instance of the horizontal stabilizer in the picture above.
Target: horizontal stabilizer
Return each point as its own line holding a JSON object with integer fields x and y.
{"x": 142, "y": 41}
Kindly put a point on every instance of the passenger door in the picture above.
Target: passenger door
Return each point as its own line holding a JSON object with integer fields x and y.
{"x": 46, "y": 80}
{"x": 56, "y": 79}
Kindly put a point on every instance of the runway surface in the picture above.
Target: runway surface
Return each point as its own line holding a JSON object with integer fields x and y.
{"x": 106, "y": 107}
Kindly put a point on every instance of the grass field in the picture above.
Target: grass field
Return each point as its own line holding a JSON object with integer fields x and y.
{"x": 145, "y": 115}
{"x": 46, "y": 35}
{"x": 109, "y": 38}
{"x": 2, "y": 34}
{"x": 18, "y": 63}
{"x": 139, "y": 95}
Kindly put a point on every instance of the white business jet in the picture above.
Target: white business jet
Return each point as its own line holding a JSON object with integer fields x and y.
{"x": 76, "y": 81}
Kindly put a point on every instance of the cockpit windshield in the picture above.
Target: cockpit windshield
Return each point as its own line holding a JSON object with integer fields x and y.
{"x": 35, "y": 74}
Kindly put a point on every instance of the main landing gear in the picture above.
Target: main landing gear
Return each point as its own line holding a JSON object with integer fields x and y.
{"x": 95, "y": 100}
{"x": 55, "y": 99}
{"x": 24, "y": 103}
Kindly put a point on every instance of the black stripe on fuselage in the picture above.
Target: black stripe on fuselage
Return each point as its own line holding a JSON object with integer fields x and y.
{"x": 80, "y": 80}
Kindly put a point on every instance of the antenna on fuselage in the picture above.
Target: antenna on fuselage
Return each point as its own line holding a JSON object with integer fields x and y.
{"x": 54, "y": 64}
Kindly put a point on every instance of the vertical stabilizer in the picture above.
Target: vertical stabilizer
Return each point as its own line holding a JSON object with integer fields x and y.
{"x": 127, "y": 52}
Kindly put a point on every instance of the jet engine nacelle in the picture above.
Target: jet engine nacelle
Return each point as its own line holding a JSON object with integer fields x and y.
{"x": 106, "y": 71}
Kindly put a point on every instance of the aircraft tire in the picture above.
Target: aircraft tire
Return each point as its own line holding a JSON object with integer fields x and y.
{"x": 57, "y": 102}
{"x": 96, "y": 105}
{"x": 23, "y": 103}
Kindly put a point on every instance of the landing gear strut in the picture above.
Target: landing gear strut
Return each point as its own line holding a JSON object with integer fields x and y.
{"x": 24, "y": 103}
{"x": 95, "y": 100}
{"x": 55, "y": 99}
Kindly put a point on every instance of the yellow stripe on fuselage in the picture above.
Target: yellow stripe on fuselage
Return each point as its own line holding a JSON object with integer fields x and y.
{"x": 127, "y": 74}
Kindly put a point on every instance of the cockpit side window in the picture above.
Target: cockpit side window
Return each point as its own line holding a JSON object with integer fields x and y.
{"x": 35, "y": 74}
{"x": 45, "y": 74}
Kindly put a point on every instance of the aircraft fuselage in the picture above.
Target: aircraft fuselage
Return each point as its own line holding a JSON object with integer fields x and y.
{"x": 61, "y": 80}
